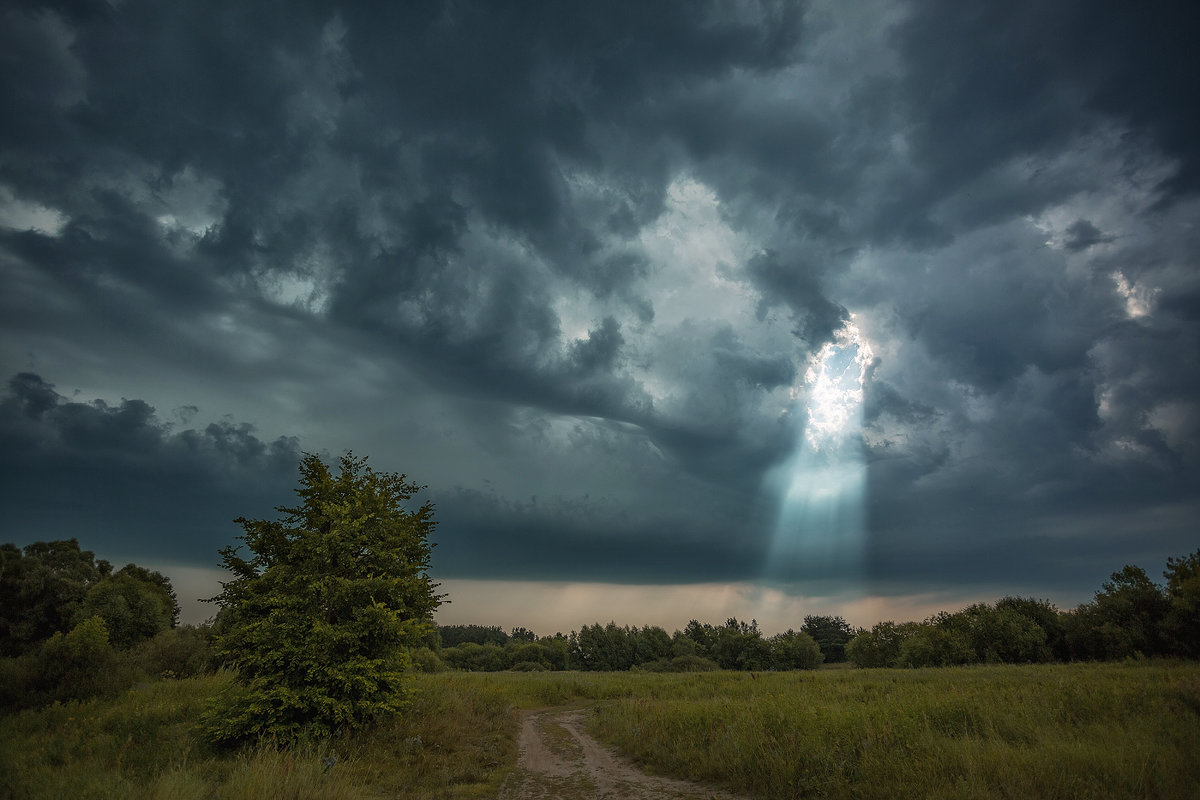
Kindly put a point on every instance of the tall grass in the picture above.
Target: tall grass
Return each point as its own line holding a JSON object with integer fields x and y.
{"x": 1062, "y": 731}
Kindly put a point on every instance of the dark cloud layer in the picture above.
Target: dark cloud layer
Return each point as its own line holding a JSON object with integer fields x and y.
{"x": 125, "y": 478}
{"x": 570, "y": 265}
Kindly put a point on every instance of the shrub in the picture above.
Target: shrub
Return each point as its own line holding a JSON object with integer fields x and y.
{"x": 795, "y": 650}
{"x": 934, "y": 645}
{"x": 79, "y": 664}
{"x": 880, "y": 646}
{"x": 177, "y": 653}
{"x": 693, "y": 664}
{"x": 425, "y": 660}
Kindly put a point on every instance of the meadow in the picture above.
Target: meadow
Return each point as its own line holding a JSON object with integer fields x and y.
{"x": 1114, "y": 730}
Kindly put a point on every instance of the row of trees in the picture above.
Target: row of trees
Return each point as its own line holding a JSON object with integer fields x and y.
{"x": 1130, "y": 616}
{"x": 699, "y": 646}
{"x": 51, "y": 587}
{"x": 72, "y": 627}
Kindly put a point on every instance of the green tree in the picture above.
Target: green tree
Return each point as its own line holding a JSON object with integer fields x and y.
{"x": 935, "y": 645}
{"x": 319, "y": 618}
{"x": 1181, "y": 624}
{"x": 831, "y": 634}
{"x": 78, "y": 664}
{"x": 999, "y": 634}
{"x": 454, "y": 635}
{"x": 652, "y": 644}
{"x": 702, "y": 635}
{"x": 41, "y": 590}
{"x": 880, "y": 646}
{"x": 1046, "y": 616}
{"x": 741, "y": 646}
{"x": 133, "y": 605}
{"x": 1130, "y": 601}
{"x": 795, "y": 650}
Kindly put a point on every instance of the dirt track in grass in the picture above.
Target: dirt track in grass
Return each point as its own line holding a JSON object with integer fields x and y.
{"x": 560, "y": 760}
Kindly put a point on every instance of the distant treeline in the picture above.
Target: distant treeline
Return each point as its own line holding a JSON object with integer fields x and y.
{"x": 698, "y": 647}
{"x": 71, "y": 626}
{"x": 1130, "y": 616}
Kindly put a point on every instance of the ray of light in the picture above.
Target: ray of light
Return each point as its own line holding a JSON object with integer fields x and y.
{"x": 820, "y": 525}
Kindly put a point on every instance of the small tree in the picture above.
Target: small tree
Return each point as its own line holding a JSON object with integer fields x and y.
{"x": 319, "y": 618}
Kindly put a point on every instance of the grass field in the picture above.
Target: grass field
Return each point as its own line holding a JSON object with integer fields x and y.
{"x": 1056, "y": 731}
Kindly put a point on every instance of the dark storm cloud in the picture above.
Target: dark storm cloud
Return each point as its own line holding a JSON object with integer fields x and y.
{"x": 585, "y": 539}
{"x": 127, "y": 482}
{"x": 467, "y": 227}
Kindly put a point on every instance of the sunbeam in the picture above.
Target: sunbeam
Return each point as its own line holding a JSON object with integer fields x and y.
{"x": 819, "y": 531}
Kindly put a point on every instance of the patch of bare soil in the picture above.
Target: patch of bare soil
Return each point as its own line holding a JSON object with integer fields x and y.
{"x": 559, "y": 760}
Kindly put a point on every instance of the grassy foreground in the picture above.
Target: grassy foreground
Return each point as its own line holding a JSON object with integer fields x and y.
{"x": 1054, "y": 731}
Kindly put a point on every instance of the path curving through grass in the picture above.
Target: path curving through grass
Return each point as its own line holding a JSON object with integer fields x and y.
{"x": 558, "y": 759}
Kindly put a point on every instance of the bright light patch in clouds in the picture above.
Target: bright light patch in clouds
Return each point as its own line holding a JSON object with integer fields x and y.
{"x": 835, "y": 377}
{"x": 1139, "y": 300}
{"x": 694, "y": 251}
{"x": 25, "y": 216}
{"x": 820, "y": 526}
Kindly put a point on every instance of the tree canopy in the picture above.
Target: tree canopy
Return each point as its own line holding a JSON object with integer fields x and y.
{"x": 50, "y": 587}
{"x": 318, "y": 617}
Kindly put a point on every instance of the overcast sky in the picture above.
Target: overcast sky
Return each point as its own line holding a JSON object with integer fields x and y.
{"x": 580, "y": 268}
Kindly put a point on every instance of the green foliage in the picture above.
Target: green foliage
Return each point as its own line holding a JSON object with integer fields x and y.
{"x": 1181, "y": 623}
{"x": 831, "y": 634}
{"x": 1121, "y": 731}
{"x": 880, "y": 646}
{"x": 795, "y": 650}
{"x": 1000, "y": 634}
{"x": 49, "y": 587}
{"x": 41, "y": 590}
{"x": 603, "y": 648}
{"x": 934, "y": 645}
{"x": 692, "y": 663}
{"x": 740, "y": 645}
{"x": 651, "y": 644}
{"x": 1130, "y": 600}
{"x": 454, "y": 635}
{"x": 79, "y": 664}
{"x": 1044, "y": 614}
{"x": 133, "y": 607}
{"x": 425, "y": 659}
{"x": 182, "y": 652}
{"x": 701, "y": 635}
{"x": 319, "y": 619}
{"x": 475, "y": 657}
{"x": 1126, "y": 618}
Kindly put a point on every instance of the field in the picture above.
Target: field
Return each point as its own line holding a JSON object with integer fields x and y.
{"x": 1123, "y": 730}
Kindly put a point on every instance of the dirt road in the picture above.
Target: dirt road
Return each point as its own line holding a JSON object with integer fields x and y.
{"x": 559, "y": 760}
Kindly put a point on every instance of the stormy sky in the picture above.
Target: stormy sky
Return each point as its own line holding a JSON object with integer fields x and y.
{"x": 580, "y": 268}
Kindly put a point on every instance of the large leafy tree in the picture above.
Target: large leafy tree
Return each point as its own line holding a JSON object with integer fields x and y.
{"x": 41, "y": 589}
{"x": 134, "y": 603}
{"x": 318, "y": 617}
